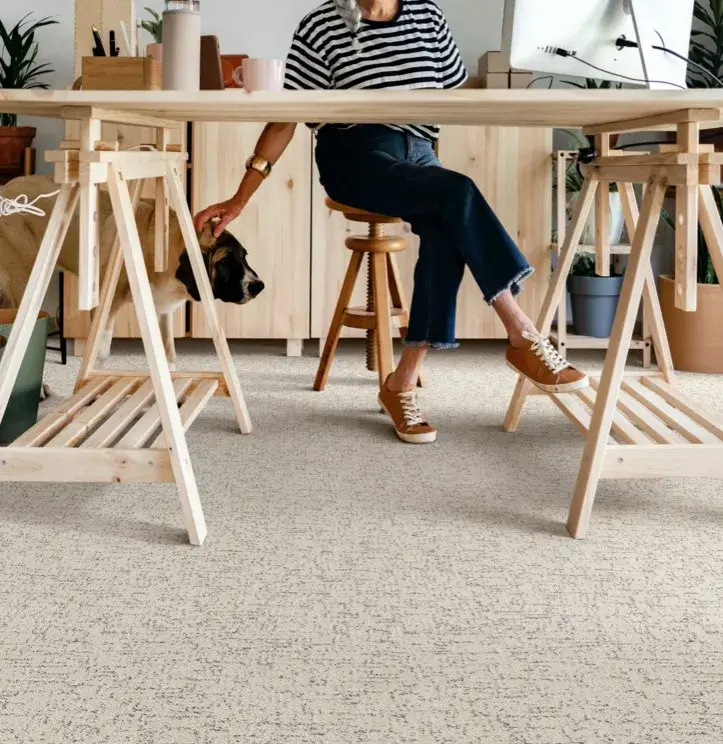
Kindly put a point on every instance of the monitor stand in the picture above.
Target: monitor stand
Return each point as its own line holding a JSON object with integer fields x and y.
{"x": 643, "y": 15}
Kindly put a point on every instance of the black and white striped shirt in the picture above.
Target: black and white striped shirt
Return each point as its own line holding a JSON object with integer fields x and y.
{"x": 415, "y": 50}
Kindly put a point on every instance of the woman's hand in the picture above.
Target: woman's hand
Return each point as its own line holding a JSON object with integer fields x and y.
{"x": 225, "y": 211}
{"x": 271, "y": 145}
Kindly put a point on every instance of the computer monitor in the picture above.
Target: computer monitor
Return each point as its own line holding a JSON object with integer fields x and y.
{"x": 589, "y": 31}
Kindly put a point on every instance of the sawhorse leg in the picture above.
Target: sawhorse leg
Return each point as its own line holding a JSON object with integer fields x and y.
{"x": 612, "y": 374}
{"x": 185, "y": 221}
{"x": 160, "y": 372}
{"x": 99, "y": 322}
{"x": 651, "y": 302}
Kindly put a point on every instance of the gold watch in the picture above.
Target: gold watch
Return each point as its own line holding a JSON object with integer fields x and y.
{"x": 259, "y": 164}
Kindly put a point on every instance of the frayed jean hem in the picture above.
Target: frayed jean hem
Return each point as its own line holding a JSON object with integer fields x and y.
{"x": 514, "y": 285}
{"x": 435, "y": 345}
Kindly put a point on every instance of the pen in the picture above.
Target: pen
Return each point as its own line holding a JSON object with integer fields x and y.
{"x": 114, "y": 50}
{"x": 126, "y": 40}
{"x": 98, "y": 49}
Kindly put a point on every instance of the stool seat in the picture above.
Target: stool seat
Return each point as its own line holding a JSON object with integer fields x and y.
{"x": 359, "y": 215}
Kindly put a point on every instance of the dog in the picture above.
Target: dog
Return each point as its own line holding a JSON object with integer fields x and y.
{"x": 232, "y": 279}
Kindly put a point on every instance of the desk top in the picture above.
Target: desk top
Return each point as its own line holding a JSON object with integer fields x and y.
{"x": 553, "y": 108}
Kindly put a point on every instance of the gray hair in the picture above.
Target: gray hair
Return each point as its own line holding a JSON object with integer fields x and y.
{"x": 351, "y": 14}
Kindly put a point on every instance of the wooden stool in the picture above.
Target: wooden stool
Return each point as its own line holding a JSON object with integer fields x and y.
{"x": 386, "y": 302}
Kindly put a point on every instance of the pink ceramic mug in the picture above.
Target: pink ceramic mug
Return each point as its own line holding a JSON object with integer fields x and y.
{"x": 263, "y": 74}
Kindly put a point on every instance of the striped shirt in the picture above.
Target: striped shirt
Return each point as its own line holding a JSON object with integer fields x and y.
{"x": 415, "y": 50}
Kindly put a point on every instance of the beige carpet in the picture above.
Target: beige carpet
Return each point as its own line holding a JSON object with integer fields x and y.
{"x": 354, "y": 590}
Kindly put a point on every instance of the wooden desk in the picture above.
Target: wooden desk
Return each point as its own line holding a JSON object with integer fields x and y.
{"x": 641, "y": 427}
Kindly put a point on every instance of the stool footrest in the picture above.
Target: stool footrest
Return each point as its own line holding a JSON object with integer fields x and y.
{"x": 358, "y": 317}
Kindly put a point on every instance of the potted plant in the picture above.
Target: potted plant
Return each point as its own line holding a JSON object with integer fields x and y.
{"x": 696, "y": 339}
{"x": 19, "y": 69}
{"x": 594, "y": 298}
{"x": 154, "y": 26}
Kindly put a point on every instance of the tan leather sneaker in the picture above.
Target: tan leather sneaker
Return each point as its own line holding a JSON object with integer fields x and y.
{"x": 403, "y": 410}
{"x": 542, "y": 365}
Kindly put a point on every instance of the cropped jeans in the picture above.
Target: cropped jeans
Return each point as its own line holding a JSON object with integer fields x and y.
{"x": 390, "y": 172}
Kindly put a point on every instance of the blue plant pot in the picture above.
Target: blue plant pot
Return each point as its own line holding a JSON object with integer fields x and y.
{"x": 594, "y": 304}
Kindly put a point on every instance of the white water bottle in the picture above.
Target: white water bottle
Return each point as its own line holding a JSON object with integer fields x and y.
{"x": 182, "y": 45}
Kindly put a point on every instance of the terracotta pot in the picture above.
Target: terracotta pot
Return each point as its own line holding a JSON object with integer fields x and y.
{"x": 13, "y": 141}
{"x": 155, "y": 51}
{"x": 696, "y": 339}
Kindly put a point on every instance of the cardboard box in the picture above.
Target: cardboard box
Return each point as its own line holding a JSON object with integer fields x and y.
{"x": 473, "y": 82}
{"x": 492, "y": 62}
{"x": 121, "y": 73}
{"x": 503, "y": 80}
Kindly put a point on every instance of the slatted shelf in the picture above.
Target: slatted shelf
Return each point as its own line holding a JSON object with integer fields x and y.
{"x": 116, "y": 412}
{"x": 656, "y": 430}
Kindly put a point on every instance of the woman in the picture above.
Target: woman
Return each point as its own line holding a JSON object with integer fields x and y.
{"x": 402, "y": 45}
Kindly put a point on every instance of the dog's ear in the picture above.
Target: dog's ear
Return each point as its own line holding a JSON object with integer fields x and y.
{"x": 184, "y": 274}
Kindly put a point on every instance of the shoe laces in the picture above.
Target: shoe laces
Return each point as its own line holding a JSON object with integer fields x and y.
{"x": 546, "y": 352}
{"x": 410, "y": 409}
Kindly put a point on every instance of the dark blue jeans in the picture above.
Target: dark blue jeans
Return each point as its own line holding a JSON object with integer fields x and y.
{"x": 381, "y": 170}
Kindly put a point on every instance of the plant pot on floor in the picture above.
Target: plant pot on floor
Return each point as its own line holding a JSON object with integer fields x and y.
{"x": 594, "y": 302}
{"x": 13, "y": 142}
{"x": 696, "y": 339}
{"x": 22, "y": 410}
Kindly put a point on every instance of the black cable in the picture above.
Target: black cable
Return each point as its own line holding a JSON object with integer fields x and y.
{"x": 690, "y": 62}
{"x": 565, "y": 53}
{"x": 551, "y": 78}
{"x": 624, "y": 43}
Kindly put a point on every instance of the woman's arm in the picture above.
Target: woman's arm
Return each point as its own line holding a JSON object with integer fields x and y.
{"x": 271, "y": 146}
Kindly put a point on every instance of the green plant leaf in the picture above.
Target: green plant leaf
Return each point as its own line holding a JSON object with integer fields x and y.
{"x": 18, "y": 67}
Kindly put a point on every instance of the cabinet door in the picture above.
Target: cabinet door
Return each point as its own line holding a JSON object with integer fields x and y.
{"x": 512, "y": 169}
{"x": 274, "y": 228}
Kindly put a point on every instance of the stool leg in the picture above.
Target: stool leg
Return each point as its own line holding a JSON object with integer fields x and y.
{"x": 372, "y": 360}
{"x": 383, "y": 312}
{"x": 332, "y": 340}
{"x": 399, "y": 299}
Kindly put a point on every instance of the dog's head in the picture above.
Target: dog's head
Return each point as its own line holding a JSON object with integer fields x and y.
{"x": 232, "y": 279}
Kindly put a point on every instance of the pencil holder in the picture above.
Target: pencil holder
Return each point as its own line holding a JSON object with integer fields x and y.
{"x": 121, "y": 73}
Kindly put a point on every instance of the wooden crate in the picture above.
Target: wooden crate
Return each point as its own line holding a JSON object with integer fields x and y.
{"x": 121, "y": 73}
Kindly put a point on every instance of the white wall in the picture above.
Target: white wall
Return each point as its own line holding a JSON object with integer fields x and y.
{"x": 56, "y": 48}
{"x": 476, "y": 24}
{"x": 242, "y": 26}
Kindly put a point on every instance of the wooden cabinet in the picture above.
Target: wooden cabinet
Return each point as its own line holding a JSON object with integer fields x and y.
{"x": 512, "y": 169}
{"x": 274, "y": 228}
{"x": 296, "y": 243}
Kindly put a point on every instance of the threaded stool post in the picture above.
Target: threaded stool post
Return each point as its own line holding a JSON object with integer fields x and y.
{"x": 385, "y": 306}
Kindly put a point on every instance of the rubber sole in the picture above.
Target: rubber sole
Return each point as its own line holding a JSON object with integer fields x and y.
{"x": 428, "y": 438}
{"x": 570, "y": 387}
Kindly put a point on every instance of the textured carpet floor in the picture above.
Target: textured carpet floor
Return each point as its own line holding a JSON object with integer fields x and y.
{"x": 354, "y": 590}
